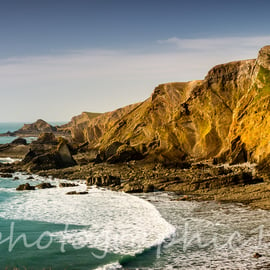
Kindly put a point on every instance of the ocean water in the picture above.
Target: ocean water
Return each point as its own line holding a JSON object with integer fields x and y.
{"x": 49, "y": 230}
{"x": 13, "y": 126}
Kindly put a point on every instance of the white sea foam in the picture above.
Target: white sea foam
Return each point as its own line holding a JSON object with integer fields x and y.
{"x": 111, "y": 266}
{"x": 9, "y": 160}
{"x": 112, "y": 221}
{"x": 235, "y": 232}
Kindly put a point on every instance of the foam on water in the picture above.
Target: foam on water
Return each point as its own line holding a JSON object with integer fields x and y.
{"x": 112, "y": 221}
{"x": 213, "y": 236}
{"x": 8, "y": 160}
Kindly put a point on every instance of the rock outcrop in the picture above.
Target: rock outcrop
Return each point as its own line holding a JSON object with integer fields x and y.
{"x": 26, "y": 186}
{"x": 40, "y": 126}
{"x": 225, "y": 116}
{"x": 45, "y": 186}
{"x": 19, "y": 141}
{"x": 36, "y": 128}
{"x": 48, "y": 153}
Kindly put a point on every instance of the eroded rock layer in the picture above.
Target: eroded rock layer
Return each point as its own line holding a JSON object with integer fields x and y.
{"x": 225, "y": 116}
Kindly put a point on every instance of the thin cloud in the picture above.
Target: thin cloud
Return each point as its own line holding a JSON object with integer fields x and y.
{"x": 224, "y": 43}
{"x": 103, "y": 80}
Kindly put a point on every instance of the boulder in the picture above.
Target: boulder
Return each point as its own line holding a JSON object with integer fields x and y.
{"x": 65, "y": 156}
{"x": 44, "y": 186}
{"x": 133, "y": 188}
{"x": 46, "y": 138}
{"x": 76, "y": 193}
{"x": 62, "y": 185}
{"x": 257, "y": 255}
{"x": 149, "y": 188}
{"x": 103, "y": 180}
{"x": 238, "y": 152}
{"x": 56, "y": 159}
{"x": 125, "y": 153}
{"x": 25, "y": 187}
{"x": 6, "y": 175}
{"x": 19, "y": 141}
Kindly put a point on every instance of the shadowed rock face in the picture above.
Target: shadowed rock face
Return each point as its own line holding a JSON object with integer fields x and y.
{"x": 226, "y": 115}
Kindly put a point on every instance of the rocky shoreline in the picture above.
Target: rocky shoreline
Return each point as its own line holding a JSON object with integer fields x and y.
{"x": 180, "y": 139}
{"x": 56, "y": 157}
{"x": 200, "y": 181}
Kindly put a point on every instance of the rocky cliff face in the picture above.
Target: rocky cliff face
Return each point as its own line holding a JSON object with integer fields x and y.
{"x": 226, "y": 115}
{"x": 35, "y": 128}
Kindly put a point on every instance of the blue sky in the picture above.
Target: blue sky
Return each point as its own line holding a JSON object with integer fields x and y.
{"x": 59, "y": 58}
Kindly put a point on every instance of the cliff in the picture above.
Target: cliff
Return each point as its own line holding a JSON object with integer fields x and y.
{"x": 225, "y": 116}
{"x": 35, "y": 128}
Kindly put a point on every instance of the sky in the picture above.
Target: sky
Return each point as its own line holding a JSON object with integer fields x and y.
{"x": 59, "y": 58}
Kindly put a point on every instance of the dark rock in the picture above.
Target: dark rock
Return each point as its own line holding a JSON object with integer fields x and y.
{"x": 149, "y": 188}
{"x": 46, "y": 138}
{"x": 7, "y": 169}
{"x": 257, "y": 255}
{"x": 5, "y": 175}
{"x": 125, "y": 153}
{"x": 60, "y": 158}
{"x": 25, "y": 187}
{"x": 64, "y": 153}
{"x": 44, "y": 186}
{"x": 133, "y": 188}
{"x": 76, "y": 192}
{"x": 263, "y": 168}
{"x": 16, "y": 178}
{"x": 62, "y": 185}
{"x": 30, "y": 178}
{"x": 109, "y": 151}
{"x": 29, "y": 156}
{"x": 103, "y": 180}
{"x": 238, "y": 152}
{"x": 71, "y": 192}
{"x": 20, "y": 141}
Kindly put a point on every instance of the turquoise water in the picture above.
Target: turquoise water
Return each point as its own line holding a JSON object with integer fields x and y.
{"x": 5, "y": 127}
{"x": 47, "y": 229}
{"x": 112, "y": 230}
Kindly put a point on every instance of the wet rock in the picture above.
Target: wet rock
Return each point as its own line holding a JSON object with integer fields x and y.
{"x": 44, "y": 186}
{"x": 133, "y": 188}
{"x": 103, "y": 180}
{"x": 257, "y": 255}
{"x": 5, "y": 175}
{"x": 76, "y": 192}
{"x": 62, "y": 185}
{"x": 20, "y": 141}
{"x": 7, "y": 169}
{"x": 149, "y": 188}
{"x": 26, "y": 186}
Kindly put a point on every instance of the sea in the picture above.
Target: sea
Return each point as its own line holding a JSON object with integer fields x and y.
{"x": 13, "y": 126}
{"x": 49, "y": 230}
